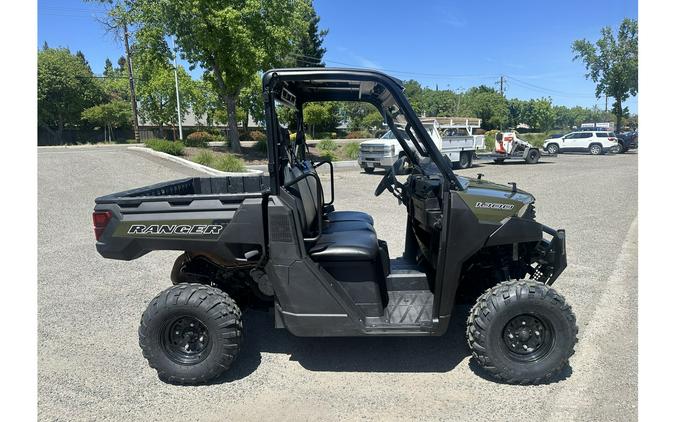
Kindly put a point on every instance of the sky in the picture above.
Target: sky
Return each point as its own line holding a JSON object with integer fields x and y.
{"x": 444, "y": 44}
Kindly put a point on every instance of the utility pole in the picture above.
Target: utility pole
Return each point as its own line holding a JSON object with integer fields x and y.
{"x": 605, "y": 103}
{"x": 175, "y": 75}
{"x": 501, "y": 85}
{"x": 132, "y": 87}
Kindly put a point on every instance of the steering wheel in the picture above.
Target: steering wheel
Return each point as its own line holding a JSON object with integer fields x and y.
{"x": 389, "y": 181}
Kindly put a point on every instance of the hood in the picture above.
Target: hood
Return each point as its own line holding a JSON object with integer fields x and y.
{"x": 379, "y": 141}
{"x": 492, "y": 201}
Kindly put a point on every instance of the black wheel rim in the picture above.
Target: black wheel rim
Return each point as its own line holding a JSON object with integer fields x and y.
{"x": 528, "y": 337}
{"x": 533, "y": 155}
{"x": 186, "y": 340}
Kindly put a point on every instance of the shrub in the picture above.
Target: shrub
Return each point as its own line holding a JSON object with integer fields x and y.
{"x": 199, "y": 139}
{"x": 536, "y": 139}
{"x": 257, "y": 135}
{"x": 358, "y": 134}
{"x": 231, "y": 163}
{"x": 261, "y": 145}
{"x": 352, "y": 150}
{"x": 326, "y": 135}
{"x": 328, "y": 155}
{"x": 490, "y": 139}
{"x": 168, "y": 147}
{"x": 204, "y": 158}
{"x": 327, "y": 145}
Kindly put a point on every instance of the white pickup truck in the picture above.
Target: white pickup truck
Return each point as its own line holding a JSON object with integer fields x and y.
{"x": 452, "y": 135}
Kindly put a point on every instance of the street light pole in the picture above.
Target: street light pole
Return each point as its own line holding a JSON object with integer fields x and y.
{"x": 175, "y": 75}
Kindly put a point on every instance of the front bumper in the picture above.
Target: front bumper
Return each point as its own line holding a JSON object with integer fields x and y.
{"x": 375, "y": 161}
{"x": 554, "y": 256}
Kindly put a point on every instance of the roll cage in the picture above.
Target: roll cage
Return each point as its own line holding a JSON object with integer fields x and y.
{"x": 296, "y": 87}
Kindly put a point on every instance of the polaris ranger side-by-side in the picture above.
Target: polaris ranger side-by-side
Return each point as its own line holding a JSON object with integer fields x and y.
{"x": 278, "y": 239}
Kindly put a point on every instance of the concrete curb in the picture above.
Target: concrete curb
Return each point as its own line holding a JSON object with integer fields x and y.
{"x": 196, "y": 166}
{"x": 99, "y": 145}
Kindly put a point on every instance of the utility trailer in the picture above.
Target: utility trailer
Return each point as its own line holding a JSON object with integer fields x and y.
{"x": 509, "y": 147}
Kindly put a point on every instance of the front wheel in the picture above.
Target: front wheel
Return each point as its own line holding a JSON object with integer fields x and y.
{"x": 620, "y": 148}
{"x": 522, "y": 332}
{"x": 553, "y": 149}
{"x": 190, "y": 333}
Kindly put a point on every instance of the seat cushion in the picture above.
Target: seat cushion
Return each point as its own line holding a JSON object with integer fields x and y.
{"x": 344, "y": 226}
{"x": 358, "y": 245}
{"x": 349, "y": 216}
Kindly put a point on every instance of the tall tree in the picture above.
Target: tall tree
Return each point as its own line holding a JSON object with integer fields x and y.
{"x": 108, "y": 69}
{"x": 612, "y": 63}
{"x": 66, "y": 86}
{"x": 231, "y": 40}
{"x": 309, "y": 52}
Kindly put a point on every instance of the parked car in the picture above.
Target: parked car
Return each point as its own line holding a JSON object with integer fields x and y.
{"x": 594, "y": 142}
{"x": 627, "y": 141}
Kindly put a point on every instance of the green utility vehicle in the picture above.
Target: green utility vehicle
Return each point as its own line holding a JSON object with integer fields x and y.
{"x": 277, "y": 240}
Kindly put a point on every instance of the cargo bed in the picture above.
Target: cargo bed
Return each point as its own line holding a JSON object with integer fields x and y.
{"x": 199, "y": 214}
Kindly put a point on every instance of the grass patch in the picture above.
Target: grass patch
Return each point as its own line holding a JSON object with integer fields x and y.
{"x": 205, "y": 158}
{"x": 327, "y": 145}
{"x": 229, "y": 163}
{"x": 167, "y": 147}
{"x": 351, "y": 150}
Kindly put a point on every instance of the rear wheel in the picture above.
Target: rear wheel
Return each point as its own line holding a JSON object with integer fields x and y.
{"x": 464, "y": 160}
{"x": 595, "y": 149}
{"x": 190, "y": 333}
{"x": 532, "y": 156}
{"x": 369, "y": 170}
{"x": 522, "y": 332}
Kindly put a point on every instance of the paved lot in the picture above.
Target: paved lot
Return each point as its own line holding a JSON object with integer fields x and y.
{"x": 91, "y": 368}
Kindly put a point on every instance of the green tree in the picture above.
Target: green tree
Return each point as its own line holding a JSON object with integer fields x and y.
{"x": 66, "y": 86}
{"x": 309, "y": 52}
{"x": 231, "y": 40}
{"x": 373, "y": 120}
{"x": 316, "y": 114}
{"x": 108, "y": 68}
{"x": 487, "y": 104}
{"x": 156, "y": 94}
{"x": 110, "y": 116}
{"x": 612, "y": 63}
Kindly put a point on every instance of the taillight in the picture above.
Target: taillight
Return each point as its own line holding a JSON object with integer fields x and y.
{"x": 612, "y": 139}
{"x": 101, "y": 220}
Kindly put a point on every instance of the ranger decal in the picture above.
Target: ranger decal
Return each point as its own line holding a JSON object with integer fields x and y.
{"x": 175, "y": 229}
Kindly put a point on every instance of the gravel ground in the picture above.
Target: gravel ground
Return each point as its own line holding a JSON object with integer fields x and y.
{"x": 91, "y": 368}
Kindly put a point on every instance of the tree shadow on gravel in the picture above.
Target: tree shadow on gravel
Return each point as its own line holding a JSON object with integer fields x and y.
{"x": 350, "y": 354}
